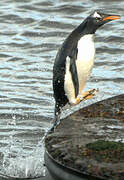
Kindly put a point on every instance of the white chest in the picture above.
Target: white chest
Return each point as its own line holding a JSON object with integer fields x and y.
{"x": 85, "y": 58}
{"x": 86, "y": 49}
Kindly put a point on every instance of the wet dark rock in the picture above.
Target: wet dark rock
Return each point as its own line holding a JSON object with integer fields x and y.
{"x": 91, "y": 140}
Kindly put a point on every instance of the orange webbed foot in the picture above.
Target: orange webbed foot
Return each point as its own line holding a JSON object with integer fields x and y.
{"x": 88, "y": 94}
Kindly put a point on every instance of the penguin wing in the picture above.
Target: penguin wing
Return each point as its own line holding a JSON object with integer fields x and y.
{"x": 73, "y": 70}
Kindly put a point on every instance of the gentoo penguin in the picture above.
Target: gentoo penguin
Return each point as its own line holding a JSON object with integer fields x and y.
{"x": 74, "y": 62}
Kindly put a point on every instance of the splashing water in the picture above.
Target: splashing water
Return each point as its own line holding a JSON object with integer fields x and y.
{"x": 20, "y": 160}
{"x": 17, "y": 163}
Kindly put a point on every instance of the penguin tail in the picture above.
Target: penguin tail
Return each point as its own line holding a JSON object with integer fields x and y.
{"x": 57, "y": 115}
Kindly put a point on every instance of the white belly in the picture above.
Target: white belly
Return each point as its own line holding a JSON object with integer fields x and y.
{"x": 83, "y": 70}
{"x": 84, "y": 64}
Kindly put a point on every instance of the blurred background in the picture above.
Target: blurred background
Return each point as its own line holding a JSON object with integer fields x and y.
{"x": 30, "y": 34}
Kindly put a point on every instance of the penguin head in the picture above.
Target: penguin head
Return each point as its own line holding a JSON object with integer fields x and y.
{"x": 97, "y": 19}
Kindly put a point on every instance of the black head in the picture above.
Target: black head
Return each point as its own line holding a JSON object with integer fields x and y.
{"x": 96, "y": 20}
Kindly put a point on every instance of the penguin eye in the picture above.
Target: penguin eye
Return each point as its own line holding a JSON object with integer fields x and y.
{"x": 98, "y": 19}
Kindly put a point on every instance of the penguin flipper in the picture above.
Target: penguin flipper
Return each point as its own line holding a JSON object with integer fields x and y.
{"x": 73, "y": 71}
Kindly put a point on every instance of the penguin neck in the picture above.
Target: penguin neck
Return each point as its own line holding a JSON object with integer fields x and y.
{"x": 81, "y": 34}
{"x": 81, "y": 31}
{"x": 85, "y": 42}
{"x": 85, "y": 28}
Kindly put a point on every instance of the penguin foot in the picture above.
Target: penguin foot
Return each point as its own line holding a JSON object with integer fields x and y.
{"x": 88, "y": 94}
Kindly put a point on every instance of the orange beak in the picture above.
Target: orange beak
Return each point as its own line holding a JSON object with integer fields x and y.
{"x": 111, "y": 18}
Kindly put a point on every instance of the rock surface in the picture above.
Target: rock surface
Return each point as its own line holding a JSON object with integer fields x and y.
{"x": 91, "y": 140}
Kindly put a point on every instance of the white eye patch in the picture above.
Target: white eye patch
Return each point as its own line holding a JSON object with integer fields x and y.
{"x": 96, "y": 15}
